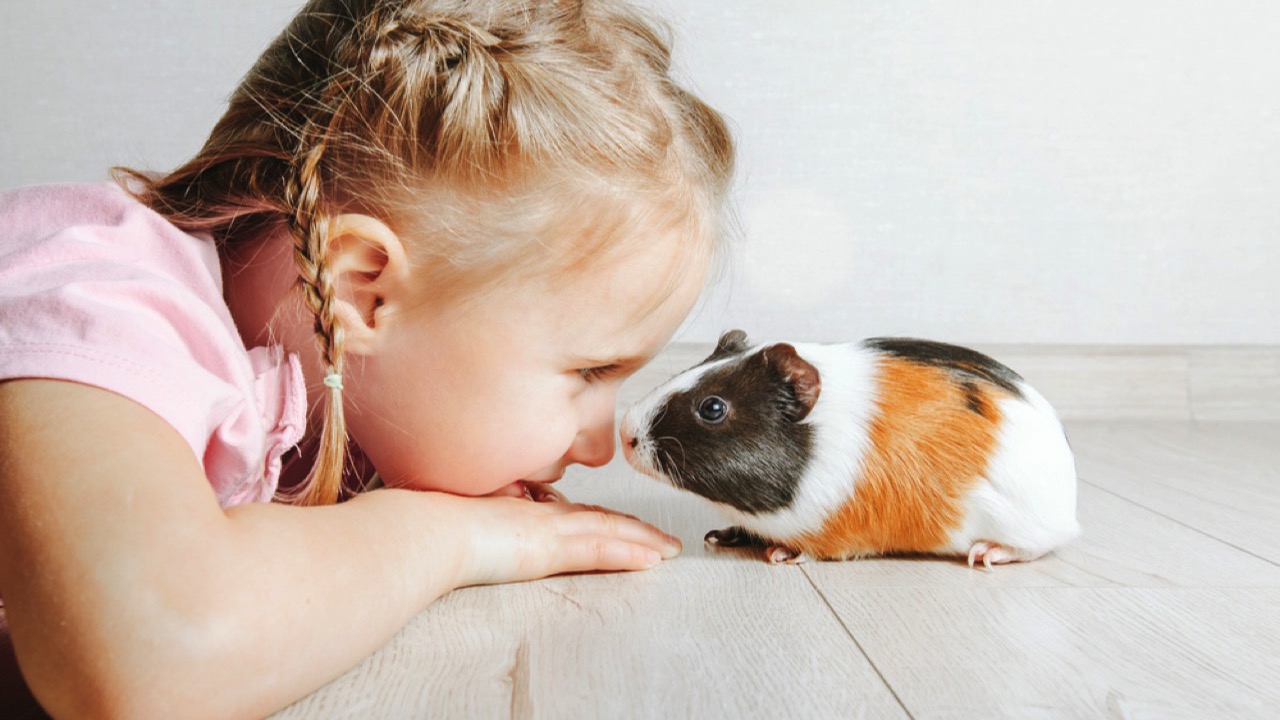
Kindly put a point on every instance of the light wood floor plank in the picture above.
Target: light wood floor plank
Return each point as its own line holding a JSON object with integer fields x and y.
{"x": 1235, "y": 383}
{"x": 1072, "y": 652}
{"x": 701, "y": 638}
{"x": 1222, "y": 479}
{"x": 705, "y": 635}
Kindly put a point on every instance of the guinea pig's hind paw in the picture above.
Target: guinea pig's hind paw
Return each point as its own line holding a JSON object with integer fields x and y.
{"x": 782, "y": 554}
{"x": 990, "y": 554}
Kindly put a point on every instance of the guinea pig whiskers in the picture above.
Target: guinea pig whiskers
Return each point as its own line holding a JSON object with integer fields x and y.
{"x": 677, "y": 442}
{"x": 673, "y": 470}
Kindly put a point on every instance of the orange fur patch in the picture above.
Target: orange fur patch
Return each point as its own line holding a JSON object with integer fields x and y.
{"x": 930, "y": 444}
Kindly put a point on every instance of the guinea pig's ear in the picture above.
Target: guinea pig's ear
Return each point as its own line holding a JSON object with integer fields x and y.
{"x": 799, "y": 374}
{"x": 731, "y": 343}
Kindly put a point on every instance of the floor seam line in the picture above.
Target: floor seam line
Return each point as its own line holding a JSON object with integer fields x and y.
{"x": 1175, "y": 520}
{"x": 857, "y": 644}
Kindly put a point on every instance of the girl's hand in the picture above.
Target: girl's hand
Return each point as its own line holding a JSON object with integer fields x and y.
{"x": 511, "y": 539}
{"x": 542, "y": 492}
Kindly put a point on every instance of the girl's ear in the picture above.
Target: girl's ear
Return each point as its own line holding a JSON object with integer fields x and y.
{"x": 371, "y": 273}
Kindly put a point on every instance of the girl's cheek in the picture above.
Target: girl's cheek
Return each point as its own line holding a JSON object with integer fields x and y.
{"x": 553, "y": 438}
{"x": 549, "y": 437}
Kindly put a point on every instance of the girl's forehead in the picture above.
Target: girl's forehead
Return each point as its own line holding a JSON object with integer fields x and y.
{"x": 613, "y": 258}
{"x": 623, "y": 309}
{"x": 642, "y": 295}
{"x": 643, "y": 251}
{"x": 623, "y": 229}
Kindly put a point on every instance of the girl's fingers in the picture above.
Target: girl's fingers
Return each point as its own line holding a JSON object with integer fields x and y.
{"x": 541, "y": 492}
{"x": 607, "y": 524}
{"x": 583, "y": 553}
{"x": 565, "y": 538}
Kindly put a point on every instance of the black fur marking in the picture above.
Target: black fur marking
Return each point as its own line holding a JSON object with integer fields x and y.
{"x": 962, "y": 362}
{"x": 973, "y": 398}
{"x": 752, "y": 460}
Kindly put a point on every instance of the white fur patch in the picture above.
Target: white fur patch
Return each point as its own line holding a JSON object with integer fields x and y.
{"x": 1028, "y": 499}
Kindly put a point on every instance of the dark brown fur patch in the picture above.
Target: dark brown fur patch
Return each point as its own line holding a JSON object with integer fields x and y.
{"x": 754, "y": 458}
{"x": 930, "y": 442}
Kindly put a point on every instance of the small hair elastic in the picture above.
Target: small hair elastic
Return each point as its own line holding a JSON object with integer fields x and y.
{"x": 333, "y": 380}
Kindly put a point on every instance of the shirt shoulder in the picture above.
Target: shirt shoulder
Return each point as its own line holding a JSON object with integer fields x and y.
{"x": 62, "y": 227}
{"x": 97, "y": 288}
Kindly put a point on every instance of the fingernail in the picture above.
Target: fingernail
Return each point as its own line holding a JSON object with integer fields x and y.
{"x": 651, "y": 558}
{"x": 673, "y": 548}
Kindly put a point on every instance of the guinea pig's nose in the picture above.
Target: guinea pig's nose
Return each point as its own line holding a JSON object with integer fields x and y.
{"x": 628, "y": 439}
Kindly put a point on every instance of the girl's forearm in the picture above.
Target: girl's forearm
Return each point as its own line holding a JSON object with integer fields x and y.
{"x": 318, "y": 589}
{"x": 253, "y": 612}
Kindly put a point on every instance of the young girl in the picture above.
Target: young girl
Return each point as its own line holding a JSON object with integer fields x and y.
{"x": 427, "y": 238}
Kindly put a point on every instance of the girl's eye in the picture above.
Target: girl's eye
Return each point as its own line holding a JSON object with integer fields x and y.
{"x": 596, "y": 374}
{"x": 713, "y": 410}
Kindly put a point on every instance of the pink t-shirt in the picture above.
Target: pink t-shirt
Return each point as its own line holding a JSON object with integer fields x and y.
{"x": 98, "y": 289}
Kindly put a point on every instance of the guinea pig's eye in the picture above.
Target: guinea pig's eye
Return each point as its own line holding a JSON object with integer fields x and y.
{"x": 713, "y": 410}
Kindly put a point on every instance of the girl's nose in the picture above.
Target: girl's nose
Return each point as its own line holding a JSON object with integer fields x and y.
{"x": 593, "y": 446}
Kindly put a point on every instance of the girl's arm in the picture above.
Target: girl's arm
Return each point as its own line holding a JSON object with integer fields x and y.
{"x": 129, "y": 592}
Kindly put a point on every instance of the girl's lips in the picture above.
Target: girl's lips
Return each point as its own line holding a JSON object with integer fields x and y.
{"x": 516, "y": 489}
{"x": 543, "y": 492}
{"x": 538, "y": 491}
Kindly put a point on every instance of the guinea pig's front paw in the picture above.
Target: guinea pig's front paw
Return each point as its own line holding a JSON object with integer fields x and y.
{"x": 735, "y": 536}
{"x": 740, "y": 537}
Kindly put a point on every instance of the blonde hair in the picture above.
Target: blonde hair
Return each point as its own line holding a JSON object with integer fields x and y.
{"x": 418, "y": 112}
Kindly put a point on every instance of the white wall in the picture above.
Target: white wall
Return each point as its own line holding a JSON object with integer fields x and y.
{"x": 992, "y": 172}
{"x": 88, "y": 85}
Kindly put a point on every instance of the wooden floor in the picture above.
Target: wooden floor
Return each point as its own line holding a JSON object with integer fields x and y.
{"x": 1168, "y": 606}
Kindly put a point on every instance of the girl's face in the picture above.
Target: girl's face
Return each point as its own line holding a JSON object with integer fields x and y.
{"x": 520, "y": 383}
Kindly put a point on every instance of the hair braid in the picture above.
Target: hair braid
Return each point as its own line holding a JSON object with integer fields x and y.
{"x": 309, "y": 226}
{"x": 434, "y": 85}
{"x": 384, "y": 34}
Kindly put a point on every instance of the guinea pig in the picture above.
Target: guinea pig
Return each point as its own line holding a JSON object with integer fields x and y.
{"x": 884, "y": 446}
